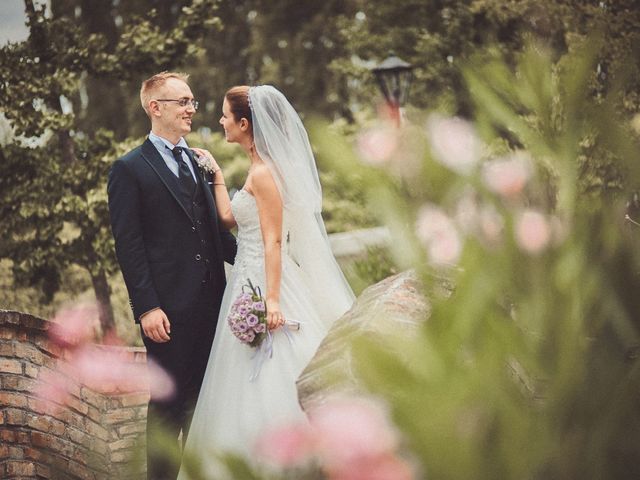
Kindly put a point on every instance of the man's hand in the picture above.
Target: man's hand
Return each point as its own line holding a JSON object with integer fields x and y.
{"x": 156, "y": 325}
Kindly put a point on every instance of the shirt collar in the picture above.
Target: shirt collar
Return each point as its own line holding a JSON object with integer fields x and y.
{"x": 161, "y": 142}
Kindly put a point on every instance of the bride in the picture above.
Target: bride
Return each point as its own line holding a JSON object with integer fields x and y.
{"x": 283, "y": 248}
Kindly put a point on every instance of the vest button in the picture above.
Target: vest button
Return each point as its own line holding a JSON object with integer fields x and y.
{"x": 193, "y": 228}
{"x": 198, "y": 256}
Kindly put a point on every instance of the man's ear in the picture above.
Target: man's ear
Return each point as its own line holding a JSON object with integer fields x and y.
{"x": 154, "y": 108}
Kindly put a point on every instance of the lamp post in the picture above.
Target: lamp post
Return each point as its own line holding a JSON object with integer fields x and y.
{"x": 394, "y": 77}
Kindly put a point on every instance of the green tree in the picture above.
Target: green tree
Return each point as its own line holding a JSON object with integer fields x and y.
{"x": 52, "y": 175}
{"x": 438, "y": 36}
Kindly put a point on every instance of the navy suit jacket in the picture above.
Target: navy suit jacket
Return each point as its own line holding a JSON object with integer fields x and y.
{"x": 157, "y": 245}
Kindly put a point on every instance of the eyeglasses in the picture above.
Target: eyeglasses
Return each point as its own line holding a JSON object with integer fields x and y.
{"x": 183, "y": 102}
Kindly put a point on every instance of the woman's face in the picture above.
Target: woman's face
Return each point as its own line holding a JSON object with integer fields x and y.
{"x": 233, "y": 130}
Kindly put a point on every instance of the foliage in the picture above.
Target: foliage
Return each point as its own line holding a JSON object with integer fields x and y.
{"x": 438, "y": 37}
{"x": 373, "y": 267}
{"x": 52, "y": 195}
{"x": 528, "y": 370}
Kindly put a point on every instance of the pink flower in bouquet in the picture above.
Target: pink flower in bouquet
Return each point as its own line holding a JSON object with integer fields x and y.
{"x": 533, "y": 231}
{"x": 74, "y": 325}
{"x": 438, "y": 234}
{"x": 351, "y": 429}
{"x": 508, "y": 176}
{"x": 454, "y": 143}
{"x": 252, "y": 320}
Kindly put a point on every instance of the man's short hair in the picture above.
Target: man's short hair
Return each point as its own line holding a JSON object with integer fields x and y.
{"x": 150, "y": 85}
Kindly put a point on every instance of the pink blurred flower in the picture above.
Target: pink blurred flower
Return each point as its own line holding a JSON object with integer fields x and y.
{"x": 286, "y": 446}
{"x": 96, "y": 369}
{"x": 508, "y": 176}
{"x": 446, "y": 248}
{"x": 491, "y": 225}
{"x": 454, "y": 143}
{"x": 103, "y": 370}
{"x": 107, "y": 370}
{"x": 352, "y": 438}
{"x": 532, "y": 231}
{"x": 161, "y": 385}
{"x": 466, "y": 214}
{"x": 53, "y": 389}
{"x": 74, "y": 325}
{"x": 438, "y": 234}
{"x": 350, "y": 429}
{"x": 383, "y": 467}
{"x": 376, "y": 145}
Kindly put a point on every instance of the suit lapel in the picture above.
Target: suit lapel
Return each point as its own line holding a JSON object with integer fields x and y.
{"x": 157, "y": 163}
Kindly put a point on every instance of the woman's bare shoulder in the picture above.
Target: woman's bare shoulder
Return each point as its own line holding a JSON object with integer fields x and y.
{"x": 261, "y": 178}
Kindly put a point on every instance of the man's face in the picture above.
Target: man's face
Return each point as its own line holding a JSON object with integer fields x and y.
{"x": 172, "y": 117}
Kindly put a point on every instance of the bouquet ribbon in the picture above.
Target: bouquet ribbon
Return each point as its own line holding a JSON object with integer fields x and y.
{"x": 265, "y": 350}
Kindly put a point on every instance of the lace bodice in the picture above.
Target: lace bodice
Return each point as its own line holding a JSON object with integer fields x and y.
{"x": 249, "y": 237}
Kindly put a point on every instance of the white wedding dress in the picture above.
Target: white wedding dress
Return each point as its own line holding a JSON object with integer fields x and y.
{"x": 232, "y": 411}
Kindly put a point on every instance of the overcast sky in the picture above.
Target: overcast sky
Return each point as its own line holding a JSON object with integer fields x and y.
{"x": 12, "y": 18}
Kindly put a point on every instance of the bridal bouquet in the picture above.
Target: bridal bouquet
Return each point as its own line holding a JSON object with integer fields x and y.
{"x": 248, "y": 322}
{"x": 248, "y": 316}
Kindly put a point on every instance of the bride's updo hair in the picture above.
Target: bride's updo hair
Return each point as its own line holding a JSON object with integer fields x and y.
{"x": 238, "y": 98}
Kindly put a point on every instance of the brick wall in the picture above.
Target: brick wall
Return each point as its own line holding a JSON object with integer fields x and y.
{"x": 95, "y": 437}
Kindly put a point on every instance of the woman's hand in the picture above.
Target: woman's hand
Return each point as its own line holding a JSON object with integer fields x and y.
{"x": 207, "y": 154}
{"x": 275, "y": 318}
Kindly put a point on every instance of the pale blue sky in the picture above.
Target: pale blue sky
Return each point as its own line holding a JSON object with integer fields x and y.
{"x": 12, "y": 18}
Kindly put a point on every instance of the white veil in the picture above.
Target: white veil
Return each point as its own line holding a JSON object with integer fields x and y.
{"x": 282, "y": 143}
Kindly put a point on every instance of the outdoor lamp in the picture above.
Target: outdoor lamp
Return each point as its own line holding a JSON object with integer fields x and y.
{"x": 394, "y": 77}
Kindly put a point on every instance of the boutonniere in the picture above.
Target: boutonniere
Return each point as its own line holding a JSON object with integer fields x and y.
{"x": 205, "y": 164}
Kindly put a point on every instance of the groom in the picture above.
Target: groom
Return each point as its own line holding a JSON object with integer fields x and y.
{"x": 171, "y": 251}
